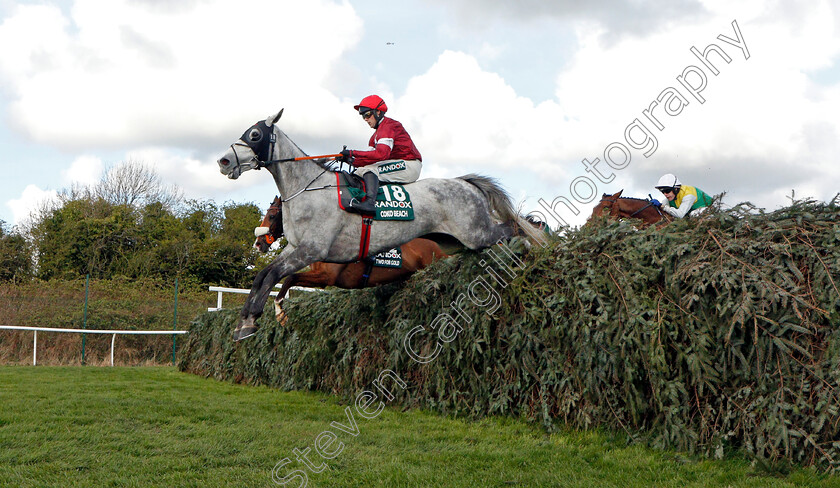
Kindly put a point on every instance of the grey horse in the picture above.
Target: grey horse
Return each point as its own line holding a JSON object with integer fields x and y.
{"x": 472, "y": 209}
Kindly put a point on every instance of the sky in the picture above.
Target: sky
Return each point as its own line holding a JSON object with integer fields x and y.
{"x": 560, "y": 101}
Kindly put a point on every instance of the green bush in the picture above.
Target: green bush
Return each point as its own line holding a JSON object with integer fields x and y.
{"x": 707, "y": 336}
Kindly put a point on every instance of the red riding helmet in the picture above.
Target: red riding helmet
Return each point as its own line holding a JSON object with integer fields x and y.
{"x": 373, "y": 102}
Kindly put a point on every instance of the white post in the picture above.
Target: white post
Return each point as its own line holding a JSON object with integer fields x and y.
{"x": 219, "y": 301}
{"x": 35, "y": 349}
{"x": 113, "y": 338}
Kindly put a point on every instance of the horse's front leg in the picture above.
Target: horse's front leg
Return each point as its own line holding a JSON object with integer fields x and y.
{"x": 289, "y": 261}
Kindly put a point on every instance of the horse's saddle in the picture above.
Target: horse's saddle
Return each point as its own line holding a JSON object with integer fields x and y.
{"x": 392, "y": 200}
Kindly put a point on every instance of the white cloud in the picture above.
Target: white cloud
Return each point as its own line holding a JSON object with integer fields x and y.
{"x": 31, "y": 200}
{"x": 616, "y": 18}
{"x": 85, "y": 170}
{"x": 123, "y": 72}
{"x": 490, "y": 52}
{"x": 196, "y": 178}
{"x": 461, "y": 115}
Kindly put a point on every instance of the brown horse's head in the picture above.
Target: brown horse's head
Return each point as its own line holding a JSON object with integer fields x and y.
{"x": 607, "y": 207}
{"x": 271, "y": 227}
{"x": 618, "y": 207}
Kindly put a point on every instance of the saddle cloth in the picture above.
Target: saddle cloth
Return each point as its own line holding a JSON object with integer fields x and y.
{"x": 392, "y": 200}
{"x": 389, "y": 259}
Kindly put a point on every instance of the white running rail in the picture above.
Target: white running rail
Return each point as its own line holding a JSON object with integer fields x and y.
{"x": 113, "y": 333}
{"x": 243, "y": 291}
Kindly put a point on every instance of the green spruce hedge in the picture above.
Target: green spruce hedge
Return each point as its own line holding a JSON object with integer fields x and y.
{"x": 710, "y": 336}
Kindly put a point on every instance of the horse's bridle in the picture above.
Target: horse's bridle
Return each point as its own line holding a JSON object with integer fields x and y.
{"x": 259, "y": 146}
{"x": 611, "y": 207}
{"x": 253, "y": 163}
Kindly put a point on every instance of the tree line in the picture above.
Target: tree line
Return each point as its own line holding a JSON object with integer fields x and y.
{"x": 129, "y": 224}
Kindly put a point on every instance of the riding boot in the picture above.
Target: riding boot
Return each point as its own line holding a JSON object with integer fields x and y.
{"x": 368, "y": 206}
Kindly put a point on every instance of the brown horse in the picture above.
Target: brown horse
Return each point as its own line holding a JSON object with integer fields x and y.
{"x": 618, "y": 207}
{"x": 416, "y": 254}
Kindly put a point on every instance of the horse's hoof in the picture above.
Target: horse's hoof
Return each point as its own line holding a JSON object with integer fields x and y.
{"x": 279, "y": 313}
{"x": 246, "y": 328}
{"x": 247, "y": 331}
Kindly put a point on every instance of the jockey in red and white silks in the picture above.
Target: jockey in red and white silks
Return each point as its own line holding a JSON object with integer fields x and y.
{"x": 390, "y": 142}
{"x": 391, "y": 157}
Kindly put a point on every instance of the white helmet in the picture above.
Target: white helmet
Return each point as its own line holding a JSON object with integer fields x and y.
{"x": 668, "y": 181}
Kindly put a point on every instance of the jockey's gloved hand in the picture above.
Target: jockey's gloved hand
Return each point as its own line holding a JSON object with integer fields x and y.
{"x": 345, "y": 156}
{"x": 655, "y": 202}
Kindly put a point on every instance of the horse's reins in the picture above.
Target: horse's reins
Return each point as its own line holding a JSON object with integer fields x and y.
{"x": 650, "y": 204}
{"x": 306, "y": 188}
{"x": 262, "y": 164}
{"x": 325, "y": 156}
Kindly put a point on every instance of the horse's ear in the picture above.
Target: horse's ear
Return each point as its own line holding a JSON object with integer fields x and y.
{"x": 272, "y": 119}
{"x": 619, "y": 193}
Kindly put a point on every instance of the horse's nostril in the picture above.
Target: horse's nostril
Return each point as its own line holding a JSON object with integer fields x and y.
{"x": 224, "y": 162}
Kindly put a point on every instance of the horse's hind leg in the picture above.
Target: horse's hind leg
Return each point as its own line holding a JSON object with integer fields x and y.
{"x": 319, "y": 276}
{"x": 279, "y": 314}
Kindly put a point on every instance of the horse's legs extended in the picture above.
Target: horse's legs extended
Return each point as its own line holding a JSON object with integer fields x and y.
{"x": 289, "y": 261}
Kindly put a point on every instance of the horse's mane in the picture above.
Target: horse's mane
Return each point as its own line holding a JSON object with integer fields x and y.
{"x": 322, "y": 163}
{"x": 606, "y": 195}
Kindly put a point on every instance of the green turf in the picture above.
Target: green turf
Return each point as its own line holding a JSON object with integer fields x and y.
{"x": 143, "y": 427}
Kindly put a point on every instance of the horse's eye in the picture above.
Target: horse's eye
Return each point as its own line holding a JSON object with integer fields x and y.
{"x": 255, "y": 135}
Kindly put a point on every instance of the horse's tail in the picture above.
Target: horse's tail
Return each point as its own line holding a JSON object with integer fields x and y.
{"x": 500, "y": 204}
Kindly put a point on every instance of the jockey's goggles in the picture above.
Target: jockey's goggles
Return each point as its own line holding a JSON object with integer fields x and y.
{"x": 667, "y": 189}
{"x": 365, "y": 113}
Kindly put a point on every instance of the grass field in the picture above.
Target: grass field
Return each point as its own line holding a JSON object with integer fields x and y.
{"x": 142, "y": 427}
